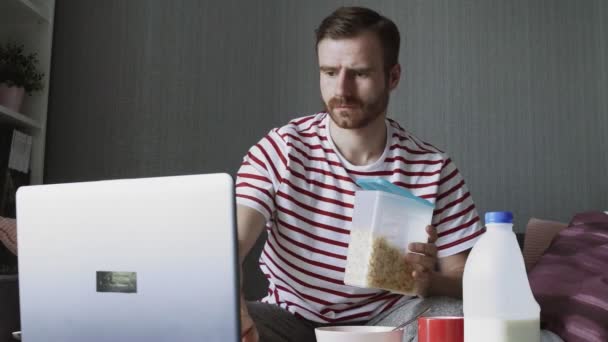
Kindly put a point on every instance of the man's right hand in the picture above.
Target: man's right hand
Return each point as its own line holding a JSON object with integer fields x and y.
{"x": 248, "y": 331}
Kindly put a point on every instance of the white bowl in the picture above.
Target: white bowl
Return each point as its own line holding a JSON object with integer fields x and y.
{"x": 358, "y": 333}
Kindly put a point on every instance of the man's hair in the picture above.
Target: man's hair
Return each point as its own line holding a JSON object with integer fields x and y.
{"x": 348, "y": 22}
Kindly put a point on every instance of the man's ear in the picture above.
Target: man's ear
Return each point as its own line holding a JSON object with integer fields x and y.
{"x": 394, "y": 76}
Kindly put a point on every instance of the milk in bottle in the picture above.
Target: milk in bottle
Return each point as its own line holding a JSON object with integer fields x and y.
{"x": 498, "y": 303}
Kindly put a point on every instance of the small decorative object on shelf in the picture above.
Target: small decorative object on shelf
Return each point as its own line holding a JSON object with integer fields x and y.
{"x": 19, "y": 75}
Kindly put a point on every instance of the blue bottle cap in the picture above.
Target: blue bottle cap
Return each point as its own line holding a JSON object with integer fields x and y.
{"x": 499, "y": 217}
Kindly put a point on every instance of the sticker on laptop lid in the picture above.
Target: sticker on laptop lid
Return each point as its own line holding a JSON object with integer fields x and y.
{"x": 118, "y": 282}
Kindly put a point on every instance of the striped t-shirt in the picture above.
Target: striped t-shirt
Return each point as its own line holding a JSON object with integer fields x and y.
{"x": 305, "y": 189}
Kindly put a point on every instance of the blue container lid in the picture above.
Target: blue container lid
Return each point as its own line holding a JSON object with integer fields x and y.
{"x": 499, "y": 217}
{"x": 386, "y": 186}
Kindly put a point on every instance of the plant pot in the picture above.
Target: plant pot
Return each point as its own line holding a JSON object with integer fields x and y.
{"x": 11, "y": 97}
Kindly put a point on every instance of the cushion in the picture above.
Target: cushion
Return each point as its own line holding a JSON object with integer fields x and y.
{"x": 8, "y": 233}
{"x": 590, "y": 217}
{"x": 570, "y": 281}
{"x": 539, "y": 234}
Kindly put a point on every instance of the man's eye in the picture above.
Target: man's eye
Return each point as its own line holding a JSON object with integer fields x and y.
{"x": 362, "y": 74}
{"x": 329, "y": 73}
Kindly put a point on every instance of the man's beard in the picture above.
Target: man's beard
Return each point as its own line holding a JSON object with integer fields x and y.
{"x": 361, "y": 115}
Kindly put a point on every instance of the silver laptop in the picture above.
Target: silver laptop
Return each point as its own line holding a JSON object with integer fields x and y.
{"x": 152, "y": 259}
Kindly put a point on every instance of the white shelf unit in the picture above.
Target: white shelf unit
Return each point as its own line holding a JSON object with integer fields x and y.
{"x": 30, "y": 22}
{"x": 18, "y": 120}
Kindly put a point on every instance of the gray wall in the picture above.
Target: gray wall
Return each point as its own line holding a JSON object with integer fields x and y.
{"x": 514, "y": 90}
{"x": 147, "y": 88}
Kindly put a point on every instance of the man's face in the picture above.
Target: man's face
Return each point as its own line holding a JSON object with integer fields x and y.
{"x": 354, "y": 86}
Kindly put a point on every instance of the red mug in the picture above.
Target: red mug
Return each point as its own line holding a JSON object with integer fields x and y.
{"x": 441, "y": 329}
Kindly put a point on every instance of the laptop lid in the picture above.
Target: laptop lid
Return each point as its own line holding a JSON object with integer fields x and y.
{"x": 152, "y": 259}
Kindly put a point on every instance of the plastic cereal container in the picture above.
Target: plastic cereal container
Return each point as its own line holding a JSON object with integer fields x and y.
{"x": 386, "y": 219}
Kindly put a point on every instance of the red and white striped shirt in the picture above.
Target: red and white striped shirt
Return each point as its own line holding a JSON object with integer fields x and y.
{"x": 305, "y": 189}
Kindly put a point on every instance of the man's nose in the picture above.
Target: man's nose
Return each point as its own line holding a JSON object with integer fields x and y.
{"x": 344, "y": 86}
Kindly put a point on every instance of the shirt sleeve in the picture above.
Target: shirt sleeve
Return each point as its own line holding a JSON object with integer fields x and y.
{"x": 455, "y": 216}
{"x": 260, "y": 175}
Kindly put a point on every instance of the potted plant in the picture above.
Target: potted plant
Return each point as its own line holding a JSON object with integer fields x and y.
{"x": 18, "y": 75}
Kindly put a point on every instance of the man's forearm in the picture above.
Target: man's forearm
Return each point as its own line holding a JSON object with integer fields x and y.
{"x": 250, "y": 224}
{"x": 446, "y": 285}
{"x": 447, "y": 279}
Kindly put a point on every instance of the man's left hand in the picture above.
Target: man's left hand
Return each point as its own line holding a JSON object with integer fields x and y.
{"x": 423, "y": 258}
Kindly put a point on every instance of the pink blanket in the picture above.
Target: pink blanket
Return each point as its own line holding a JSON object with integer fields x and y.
{"x": 570, "y": 281}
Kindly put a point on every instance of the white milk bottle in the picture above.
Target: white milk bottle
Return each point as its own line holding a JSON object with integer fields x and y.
{"x": 498, "y": 303}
